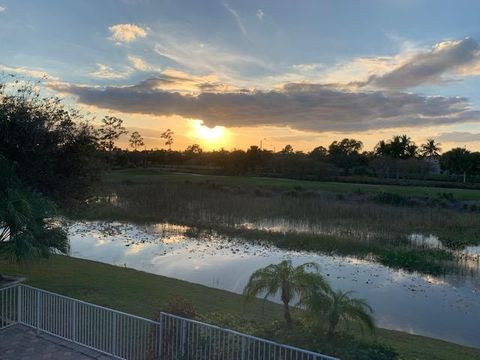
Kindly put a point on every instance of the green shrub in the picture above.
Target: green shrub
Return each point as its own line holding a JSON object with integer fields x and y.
{"x": 180, "y": 306}
{"x": 430, "y": 261}
{"x": 391, "y": 199}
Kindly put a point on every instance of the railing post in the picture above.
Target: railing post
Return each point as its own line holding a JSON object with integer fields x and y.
{"x": 38, "y": 310}
{"x": 19, "y": 303}
{"x": 184, "y": 336}
{"x": 74, "y": 322}
{"x": 160, "y": 335}
{"x": 243, "y": 348}
{"x": 114, "y": 334}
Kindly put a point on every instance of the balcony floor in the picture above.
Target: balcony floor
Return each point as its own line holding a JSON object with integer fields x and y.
{"x": 19, "y": 342}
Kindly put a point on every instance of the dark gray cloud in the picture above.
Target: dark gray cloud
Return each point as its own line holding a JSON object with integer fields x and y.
{"x": 459, "y": 136}
{"x": 311, "y": 107}
{"x": 430, "y": 67}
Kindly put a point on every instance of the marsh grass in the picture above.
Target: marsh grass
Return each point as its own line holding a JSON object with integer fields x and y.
{"x": 211, "y": 205}
{"x": 296, "y": 219}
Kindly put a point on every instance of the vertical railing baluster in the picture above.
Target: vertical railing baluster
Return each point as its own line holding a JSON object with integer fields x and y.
{"x": 183, "y": 337}
{"x": 243, "y": 345}
{"x": 38, "y": 311}
{"x": 74, "y": 321}
{"x": 19, "y": 303}
{"x": 161, "y": 335}
{"x": 114, "y": 334}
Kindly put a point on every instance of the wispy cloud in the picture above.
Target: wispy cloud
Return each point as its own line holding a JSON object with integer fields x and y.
{"x": 259, "y": 14}
{"x": 34, "y": 73}
{"x": 126, "y": 32}
{"x": 106, "y": 72}
{"x": 186, "y": 50}
{"x": 237, "y": 18}
{"x": 459, "y": 137}
{"x": 2, "y": 8}
{"x": 172, "y": 80}
{"x": 139, "y": 64}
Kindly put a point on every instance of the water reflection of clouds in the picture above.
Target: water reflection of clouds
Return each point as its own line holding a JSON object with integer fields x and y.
{"x": 409, "y": 302}
{"x": 137, "y": 249}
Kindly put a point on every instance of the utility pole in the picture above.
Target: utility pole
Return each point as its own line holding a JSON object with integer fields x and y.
{"x": 261, "y": 143}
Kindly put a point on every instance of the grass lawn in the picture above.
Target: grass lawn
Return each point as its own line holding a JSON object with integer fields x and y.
{"x": 152, "y": 175}
{"x": 143, "y": 294}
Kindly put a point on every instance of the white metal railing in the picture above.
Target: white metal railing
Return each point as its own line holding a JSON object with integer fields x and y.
{"x": 127, "y": 336}
{"x": 8, "y": 306}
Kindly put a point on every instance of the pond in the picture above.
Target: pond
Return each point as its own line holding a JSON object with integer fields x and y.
{"x": 446, "y": 307}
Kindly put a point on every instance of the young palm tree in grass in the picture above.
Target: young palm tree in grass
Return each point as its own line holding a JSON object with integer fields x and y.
{"x": 287, "y": 279}
{"x": 339, "y": 307}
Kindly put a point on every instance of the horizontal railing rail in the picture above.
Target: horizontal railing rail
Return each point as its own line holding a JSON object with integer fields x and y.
{"x": 127, "y": 336}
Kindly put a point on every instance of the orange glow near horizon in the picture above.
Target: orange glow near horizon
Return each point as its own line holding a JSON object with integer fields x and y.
{"x": 213, "y": 138}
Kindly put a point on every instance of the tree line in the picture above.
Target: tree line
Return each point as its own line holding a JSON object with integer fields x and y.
{"x": 397, "y": 158}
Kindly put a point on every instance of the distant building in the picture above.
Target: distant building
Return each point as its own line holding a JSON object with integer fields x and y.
{"x": 434, "y": 163}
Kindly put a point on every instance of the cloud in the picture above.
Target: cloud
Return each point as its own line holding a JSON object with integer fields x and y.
{"x": 139, "y": 63}
{"x": 34, "y": 73}
{"x": 459, "y": 136}
{"x": 179, "y": 81}
{"x": 259, "y": 14}
{"x": 459, "y": 57}
{"x": 2, "y": 8}
{"x": 237, "y": 17}
{"x": 106, "y": 72}
{"x": 308, "y": 107}
{"x": 307, "y": 67}
{"x": 126, "y": 32}
{"x": 200, "y": 57}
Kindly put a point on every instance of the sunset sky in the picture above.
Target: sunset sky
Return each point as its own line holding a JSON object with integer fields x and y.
{"x": 236, "y": 73}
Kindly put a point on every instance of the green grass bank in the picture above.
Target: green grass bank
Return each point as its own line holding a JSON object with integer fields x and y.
{"x": 152, "y": 175}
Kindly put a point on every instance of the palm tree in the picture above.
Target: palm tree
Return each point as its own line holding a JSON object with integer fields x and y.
{"x": 431, "y": 149}
{"x": 290, "y": 281}
{"x": 25, "y": 229}
{"x": 339, "y": 307}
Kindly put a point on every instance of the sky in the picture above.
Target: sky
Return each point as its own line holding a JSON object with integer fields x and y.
{"x": 237, "y": 73}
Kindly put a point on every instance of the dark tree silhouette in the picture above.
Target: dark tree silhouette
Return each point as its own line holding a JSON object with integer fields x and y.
{"x": 136, "y": 140}
{"x": 288, "y": 149}
{"x": 168, "y": 136}
{"x": 110, "y": 131}
{"x": 53, "y": 147}
{"x": 345, "y": 153}
{"x": 194, "y": 149}
{"x": 461, "y": 162}
{"x": 399, "y": 147}
{"x": 431, "y": 149}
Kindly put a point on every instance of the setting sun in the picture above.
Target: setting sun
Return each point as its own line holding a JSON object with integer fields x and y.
{"x": 214, "y": 135}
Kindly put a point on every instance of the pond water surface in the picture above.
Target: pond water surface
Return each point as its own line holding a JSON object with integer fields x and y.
{"x": 445, "y": 307}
